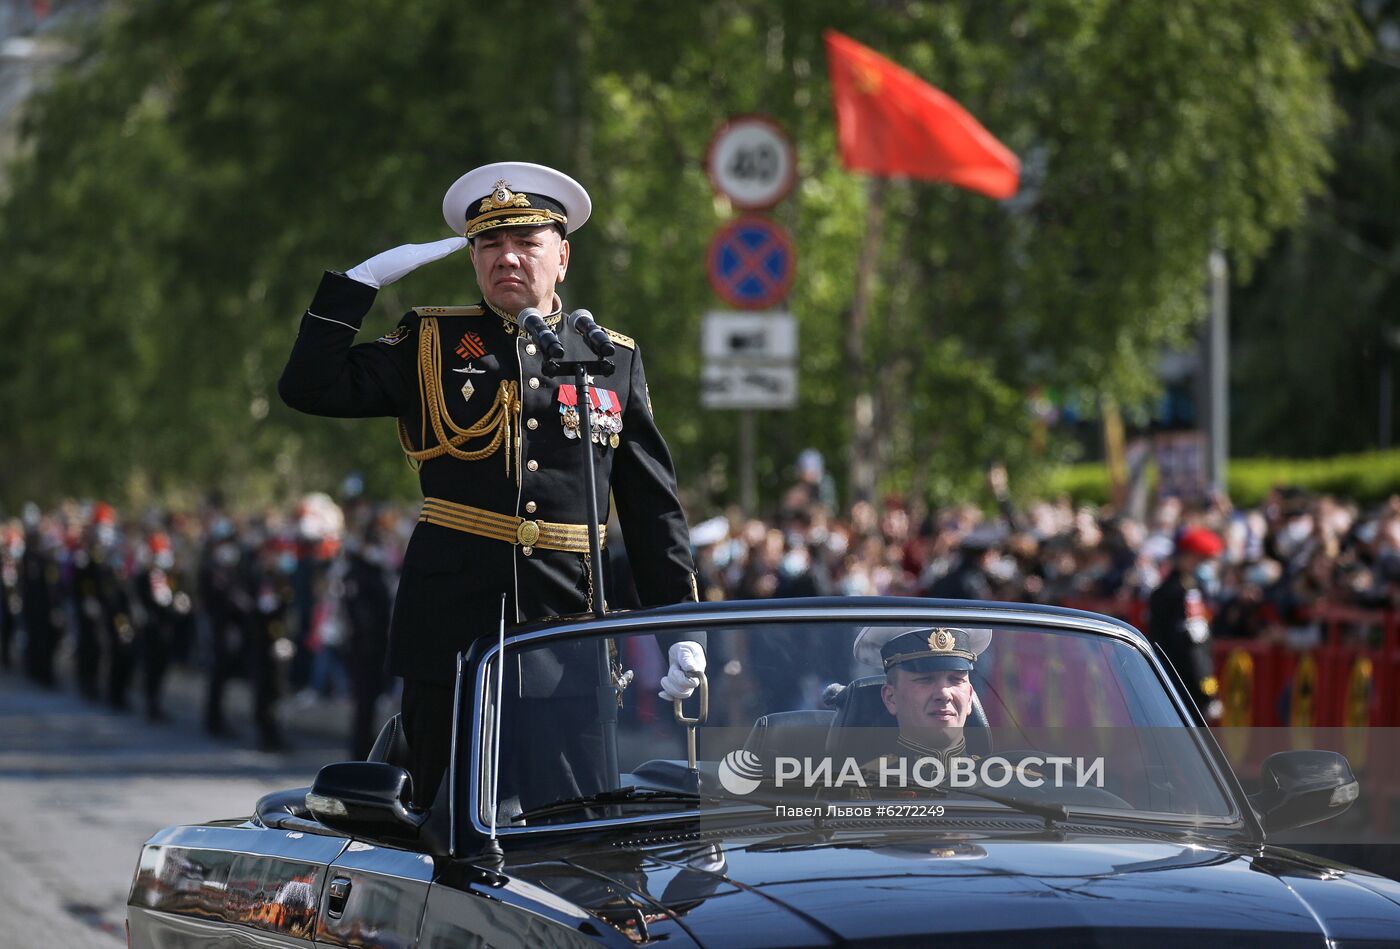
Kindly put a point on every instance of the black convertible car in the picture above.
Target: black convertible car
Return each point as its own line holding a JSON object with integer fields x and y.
{"x": 1081, "y": 802}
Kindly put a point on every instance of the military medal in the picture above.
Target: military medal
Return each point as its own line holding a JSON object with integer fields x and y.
{"x": 568, "y": 411}
{"x": 608, "y": 418}
{"x": 470, "y": 347}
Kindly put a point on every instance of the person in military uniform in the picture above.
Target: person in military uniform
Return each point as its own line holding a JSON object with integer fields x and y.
{"x": 86, "y": 596}
{"x": 103, "y": 609}
{"x": 41, "y": 606}
{"x": 163, "y": 608}
{"x": 11, "y": 553}
{"x": 267, "y": 623}
{"x": 1178, "y": 618}
{"x": 495, "y": 441}
{"x": 928, "y": 687}
{"x": 367, "y": 601}
{"x": 969, "y": 579}
{"x": 227, "y": 605}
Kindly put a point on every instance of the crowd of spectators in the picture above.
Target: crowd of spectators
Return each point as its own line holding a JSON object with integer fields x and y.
{"x": 297, "y": 600}
{"x": 1281, "y": 559}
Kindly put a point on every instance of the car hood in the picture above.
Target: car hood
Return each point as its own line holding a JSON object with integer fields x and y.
{"x": 1082, "y": 889}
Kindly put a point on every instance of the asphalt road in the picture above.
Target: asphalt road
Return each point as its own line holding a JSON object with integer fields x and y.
{"x": 81, "y": 787}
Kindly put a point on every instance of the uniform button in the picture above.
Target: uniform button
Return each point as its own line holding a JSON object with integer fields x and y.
{"x": 530, "y": 349}
{"x": 527, "y": 551}
{"x": 533, "y": 465}
{"x": 534, "y": 383}
{"x": 532, "y": 424}
{"x": 529, "y": 507}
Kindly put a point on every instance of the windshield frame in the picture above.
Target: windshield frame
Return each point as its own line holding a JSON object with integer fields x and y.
{"x": 1008, "y": 616}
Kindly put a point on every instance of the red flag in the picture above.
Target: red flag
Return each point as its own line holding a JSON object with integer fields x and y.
{"x": 891, "y": 123}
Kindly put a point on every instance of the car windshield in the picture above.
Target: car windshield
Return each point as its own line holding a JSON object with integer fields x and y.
{"x": 1047, "y": 718}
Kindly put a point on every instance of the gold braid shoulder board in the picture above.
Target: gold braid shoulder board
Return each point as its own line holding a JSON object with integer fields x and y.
{"x": 621, "y": 339}
{"x": 495, "y": 423}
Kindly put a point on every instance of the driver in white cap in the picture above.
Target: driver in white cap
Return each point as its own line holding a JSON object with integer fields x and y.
{"x": 495, "y": 442}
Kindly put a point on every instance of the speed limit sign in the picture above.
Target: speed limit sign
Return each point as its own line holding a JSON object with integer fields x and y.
{"x": 751, "y": 162}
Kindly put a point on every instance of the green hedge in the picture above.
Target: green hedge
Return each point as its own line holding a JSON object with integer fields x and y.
{"x": 1367, "y": 477}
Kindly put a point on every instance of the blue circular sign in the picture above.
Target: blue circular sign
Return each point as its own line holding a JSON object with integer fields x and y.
{"x": 751, "y": 263}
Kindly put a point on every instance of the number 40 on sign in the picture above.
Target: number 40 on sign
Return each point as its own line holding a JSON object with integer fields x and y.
{"x": 751, "y": 162}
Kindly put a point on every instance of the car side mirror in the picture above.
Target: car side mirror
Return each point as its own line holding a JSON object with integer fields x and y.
{"x": 366, "y": 799}
{"x": 1298, "y": 788}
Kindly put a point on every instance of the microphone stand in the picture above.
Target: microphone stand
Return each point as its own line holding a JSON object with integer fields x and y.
{"x": 608, "y": 695}
{"x": 581, "y": 369}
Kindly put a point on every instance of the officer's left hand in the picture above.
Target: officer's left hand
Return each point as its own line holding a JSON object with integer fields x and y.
{"x": 687, "y": 661}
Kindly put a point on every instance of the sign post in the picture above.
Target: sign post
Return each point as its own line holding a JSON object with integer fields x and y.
{"x": 750, "y": 358}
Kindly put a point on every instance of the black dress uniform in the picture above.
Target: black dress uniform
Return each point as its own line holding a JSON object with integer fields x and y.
{"x": 43, "y": 618}
{"x": 504, "y": 508}
{"x": 1178, "y": 621}
{"x": 164, "y": 609}
{"x": 9, "y": 597}
{"x": 91, "y": 620}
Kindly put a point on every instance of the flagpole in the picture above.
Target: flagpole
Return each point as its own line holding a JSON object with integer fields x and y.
{"x": 862, "y": 445}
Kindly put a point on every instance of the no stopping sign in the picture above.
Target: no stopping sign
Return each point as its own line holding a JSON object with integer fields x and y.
{"x": 751, "y": 263}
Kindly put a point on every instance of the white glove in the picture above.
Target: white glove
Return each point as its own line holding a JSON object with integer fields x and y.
{"x": 687, "y": 658}
{"x": 383, "y": 269}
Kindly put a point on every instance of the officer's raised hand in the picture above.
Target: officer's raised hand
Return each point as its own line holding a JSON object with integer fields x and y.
{"x": 687, "y": 662}
{"x": 383, "y": 269}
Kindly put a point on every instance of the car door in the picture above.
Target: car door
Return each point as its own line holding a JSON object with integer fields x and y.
{"x": 374, "y": 898}
{"x": 233, "y": 885}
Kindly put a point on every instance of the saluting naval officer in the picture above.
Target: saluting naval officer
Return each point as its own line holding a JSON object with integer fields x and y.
{"x": 496, "y": 443}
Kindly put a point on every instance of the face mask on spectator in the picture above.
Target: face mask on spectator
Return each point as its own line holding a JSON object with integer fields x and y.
{"x": 1002, "y": 569}
{"x": 1260, "y": 575}
{"x": 836, "y": 544}
{"x": 1291, "y": 538}
{"x": 1208, "y": 578}
{"x": 796, "y": 562}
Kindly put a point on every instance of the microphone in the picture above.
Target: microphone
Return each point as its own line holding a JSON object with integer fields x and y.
{"x": 532, "y": 322}
{"x": 594, "y": 335}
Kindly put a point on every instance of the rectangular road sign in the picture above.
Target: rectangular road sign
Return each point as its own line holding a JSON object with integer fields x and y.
{"x": 730, "y": 337}
{"x": 735, "y": 386}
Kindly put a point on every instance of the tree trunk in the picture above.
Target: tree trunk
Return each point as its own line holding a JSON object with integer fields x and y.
{"x": 863, "y": 448}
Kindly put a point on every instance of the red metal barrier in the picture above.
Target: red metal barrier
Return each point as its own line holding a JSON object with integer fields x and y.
{"x": 1351, "y": 678}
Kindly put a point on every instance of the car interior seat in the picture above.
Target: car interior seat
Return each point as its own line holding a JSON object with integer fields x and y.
{"x": 796, "y": 734}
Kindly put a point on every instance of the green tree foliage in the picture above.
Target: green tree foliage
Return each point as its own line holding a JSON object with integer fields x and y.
{"x": 1369, "y": 477}
{"x": 185, "y": 182}
{"x": 1315, "y": 329}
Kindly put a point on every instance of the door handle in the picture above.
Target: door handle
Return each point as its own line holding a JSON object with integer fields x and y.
{"x": 337, "y": 897}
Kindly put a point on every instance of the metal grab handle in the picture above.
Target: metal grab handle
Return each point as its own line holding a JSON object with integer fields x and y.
{"x": 691, "y": 723}
{"x": 679, "y": 704}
